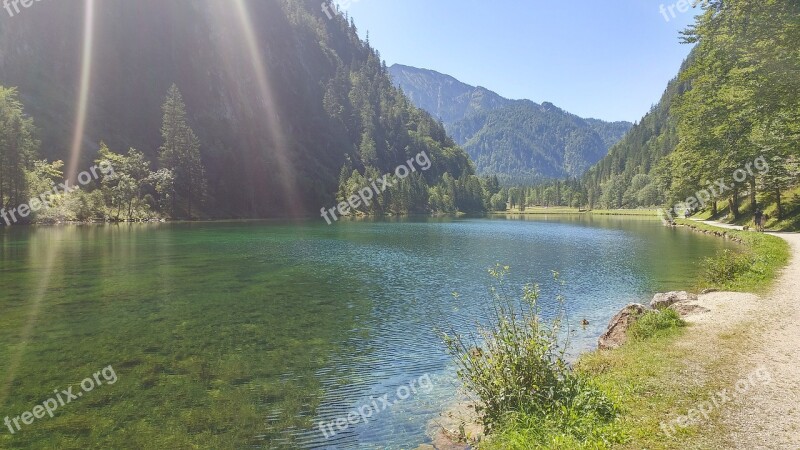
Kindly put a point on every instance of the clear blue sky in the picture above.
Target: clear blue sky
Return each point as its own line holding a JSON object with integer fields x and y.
{"x": 605, "y": 59}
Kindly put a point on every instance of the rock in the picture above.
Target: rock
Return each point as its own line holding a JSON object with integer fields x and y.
{"x": 687, "y": 309}
{"x": 456, "y": 429}
{"x": 617, "y": 332}
{"x": 662, "y": 301}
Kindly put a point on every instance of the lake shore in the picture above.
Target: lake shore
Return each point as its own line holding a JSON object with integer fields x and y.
{"x": 732, "y": 335}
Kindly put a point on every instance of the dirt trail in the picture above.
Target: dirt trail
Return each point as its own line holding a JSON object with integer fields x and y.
{"x": 767, "y": 417}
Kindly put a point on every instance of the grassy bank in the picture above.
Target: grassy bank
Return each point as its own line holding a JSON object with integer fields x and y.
{"x": 663, "y": 372}
{"x": 752, "y": 268}
{"x": 538, "y": 210}
{"x": 791, "y": 212}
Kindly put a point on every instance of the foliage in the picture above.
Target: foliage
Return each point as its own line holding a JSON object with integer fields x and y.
{"x": 735, "y": 100}
{"x": 766, "y": 256}
{"x": 180, "y": 154}
{"x": 725, "y": 266}
{"x": 18, "y": 149}
{"x": 276, "y": 119}
{"x": 515, "y": 367}
{"x": 134, "y": 192}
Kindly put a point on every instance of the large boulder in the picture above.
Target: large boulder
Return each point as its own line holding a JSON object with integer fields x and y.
{"x": 617, "y": 332}
{"x": 663, "y": 301}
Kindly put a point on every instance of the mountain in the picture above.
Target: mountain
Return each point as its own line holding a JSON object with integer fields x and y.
{"x": 518, "y": 140}
{"x": 281, "y": 97}
{"x": 443, "y": 96}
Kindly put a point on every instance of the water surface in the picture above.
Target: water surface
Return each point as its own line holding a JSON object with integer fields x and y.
{"x": 246, "y": 335}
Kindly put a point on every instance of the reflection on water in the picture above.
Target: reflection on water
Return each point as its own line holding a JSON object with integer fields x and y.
{"x": 230, "y": 335}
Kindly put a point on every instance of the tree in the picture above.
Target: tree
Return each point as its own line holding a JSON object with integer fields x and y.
{"x": 180, "y": 154}
{"x": 18, "y": 149}
{"x": 129, "y": 186}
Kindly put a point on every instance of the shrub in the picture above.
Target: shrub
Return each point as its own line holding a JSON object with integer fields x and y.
{"x": 516, "y": 369}
{"x": 726, "y": 266}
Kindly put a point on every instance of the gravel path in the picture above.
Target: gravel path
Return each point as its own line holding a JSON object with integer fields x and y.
{"x": 767, "y": 416}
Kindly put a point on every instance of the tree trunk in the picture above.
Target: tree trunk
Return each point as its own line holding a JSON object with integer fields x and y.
{"x": 753, "y": 202}
{"x": 780, "y": 206}
{"x": 714, "y": 208}
{"x": 735, "y": 204}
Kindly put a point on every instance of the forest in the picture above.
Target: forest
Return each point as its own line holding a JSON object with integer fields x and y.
{"x": 737, "y": 98}
{"x": 734, "y": 100}
{"x": 229, "y": 146}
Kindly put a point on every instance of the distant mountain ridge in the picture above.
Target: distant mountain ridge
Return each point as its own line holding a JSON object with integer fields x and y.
{"x": 518, "y": 140}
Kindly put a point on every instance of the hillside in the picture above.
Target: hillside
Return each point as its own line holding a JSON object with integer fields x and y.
{"x": 627, "y": 177}
{"x": 518, "y": 140}
{"x": 281, "y": 97}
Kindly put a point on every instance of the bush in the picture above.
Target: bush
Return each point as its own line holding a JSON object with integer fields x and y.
{"x": 726, "y": 266}
{"x": 519, "y": 375}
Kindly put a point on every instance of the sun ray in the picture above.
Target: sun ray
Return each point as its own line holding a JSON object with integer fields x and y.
{"x": 51, "y": 252}
{"x": 285, "y": 171}
{"x": 83, "y": 93}
{"x": 71, "y": 174}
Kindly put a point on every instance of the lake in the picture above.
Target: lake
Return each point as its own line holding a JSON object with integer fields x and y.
{"x": 249, "y": 334}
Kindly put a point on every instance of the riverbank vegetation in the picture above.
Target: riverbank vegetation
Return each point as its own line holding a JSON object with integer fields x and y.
{"x": 178, "y": 186}
{"x": 525, "y": 393}
{"x": 672, "y": 370}
{"x": 750, "y": 268}
{"x": 608, "y": 399}
{"x": 135, "y": 191}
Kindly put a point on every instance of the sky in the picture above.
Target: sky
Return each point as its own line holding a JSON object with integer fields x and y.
{"x": 608, "y": 60}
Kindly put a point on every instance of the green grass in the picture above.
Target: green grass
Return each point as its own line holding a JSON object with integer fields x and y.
{"x": 647, "y": 380}
{"x": 625, "y": 212}
{"x": 752, "y": 269}
{"x": 542, "y": 210}
{"x": 655, "y": 380}
{"x": 662, "y": 372}
{"x": 562, "y": 210}
{"x": 655, "y": 323}
{"x": 623, "y": 378}
{"x": 791, "y": 211}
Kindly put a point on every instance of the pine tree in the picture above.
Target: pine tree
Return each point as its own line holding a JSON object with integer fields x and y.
{"x": 18, "y": 148}
{"x": 180, "y": 154}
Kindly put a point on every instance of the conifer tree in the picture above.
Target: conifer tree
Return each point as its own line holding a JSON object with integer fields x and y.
{"x": 180, "y": 154}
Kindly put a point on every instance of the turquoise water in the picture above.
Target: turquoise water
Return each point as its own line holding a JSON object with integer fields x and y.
{"x": 247, "y": 335}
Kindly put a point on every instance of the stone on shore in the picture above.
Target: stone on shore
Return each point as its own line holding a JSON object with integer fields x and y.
{"x": 617, "y": 332}
{"x": 663, "y": 301}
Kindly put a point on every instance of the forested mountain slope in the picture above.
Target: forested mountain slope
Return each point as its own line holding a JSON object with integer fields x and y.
{"x": 518, "y": 140}
{"x": 281, "y": 97}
